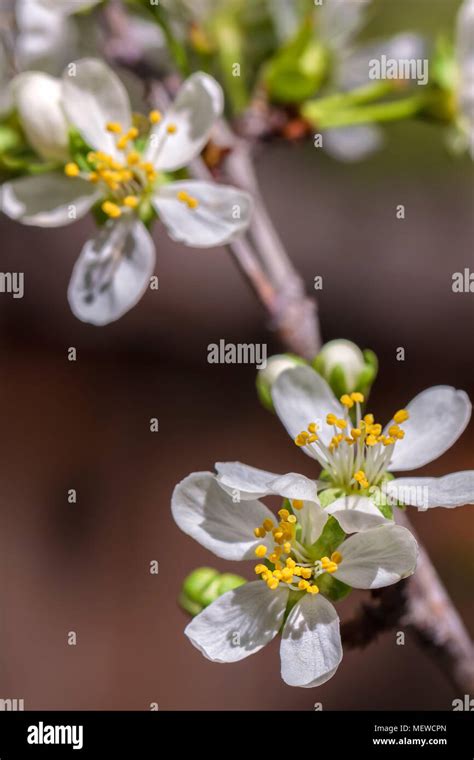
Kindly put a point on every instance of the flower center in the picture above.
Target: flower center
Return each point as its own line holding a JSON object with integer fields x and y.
{"x": 128, "y": 179}
{"x": 358, "y": 454}
{"x": 288, "y": 561}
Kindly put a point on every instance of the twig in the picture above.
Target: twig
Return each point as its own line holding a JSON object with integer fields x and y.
{"x": 421, "y": 604}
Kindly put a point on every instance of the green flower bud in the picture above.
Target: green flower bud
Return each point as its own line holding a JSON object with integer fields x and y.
{"x": 266, "y": 377}
{"x": 345, "y": 367}
{"x": 204, "y": 585}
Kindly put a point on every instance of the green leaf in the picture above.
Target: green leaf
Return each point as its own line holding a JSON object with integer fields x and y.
{"x": 331, "y": 537}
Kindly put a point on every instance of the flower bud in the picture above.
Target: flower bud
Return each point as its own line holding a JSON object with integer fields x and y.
{"x": 204, "y": 585}
{"x": 266, "y": 377}
{"x": 37, "y": 97}
{"x": 345, "y": 367}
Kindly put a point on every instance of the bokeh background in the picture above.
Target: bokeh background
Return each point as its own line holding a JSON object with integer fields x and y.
{"x": 84, "y": 567}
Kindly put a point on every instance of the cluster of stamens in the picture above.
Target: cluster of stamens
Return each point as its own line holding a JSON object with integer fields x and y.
{"x": 286, "y": 562}
{"x": 355, "y": 455}
{"x": 127, "y": 180}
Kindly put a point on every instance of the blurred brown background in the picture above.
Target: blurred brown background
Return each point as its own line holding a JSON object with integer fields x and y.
{"x": 85, "y": 567}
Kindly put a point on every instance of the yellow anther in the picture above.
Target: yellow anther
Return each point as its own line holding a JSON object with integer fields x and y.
{"x": 341, "y": 424}
{"x": 312, "y": 439}
{"x": 154, "y": 117}
{"x": 331, "y": 419}
{"x": 133, "y": 133}
{"x": 93, "y": 177}
{"x": 306, "y": 573}
{"x": 171, "y": 129}
{"x": 302, "y": 438}
{"x": 133, "y": 158}
{"x": 371, "y": 440}
{"x": 259, "y": 569}
{"x": 313, "y": 590}
{"x": 336, "y": 557}
{"x": 192, "y": 203}
{"x": 303, "y": 585}
{"x": 346, "y": 401}
{"x": 182, "y": 196}
{"x": 331, "y": 568}
{"x": 123, "y": 142}
{"x": 358, "y": 398}
{"x": 325, "y": 561}
{"x": 356, "y": 433}
{"x": 401, "y": 416}
{"x": 261, "y": 551}
{"x": 111, "y": 209}
{"x": 278, "y": 574}
{"x": 359, "y": 475}
{"x": 267, "y": 524}
{"x": 131, "y": 201}
{"x": 279, "y": 536}
{"x": 287, "y": 547}
{"x": 369, "y": 419}
{"x": 284, "y": 514}
{"x": 297, "y": 571}
{"x": 71, "y": 170}
{"x": 290, "y": 562}
{"x": 259, "y": 533}
{"x": 273, "y": 583}
{"x": 374, "y": 429}
{"x": 291, "y": 519}
{"x": 312, "y": 427}
{"x": 389, "y": 441}
{"x": 297, "y": 504}
{"x": 114, "y": 127}
{"x": 287, "y": 574}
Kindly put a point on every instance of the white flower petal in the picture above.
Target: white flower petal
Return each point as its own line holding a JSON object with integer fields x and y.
{"x": 93, "y": 95}
{"x": 252, "y": 483}
{"x": 355, "y": 67}
{"x": 453, "y": 490}
{"x": 112, "y": 273}
{"x": 301, "y": 396}
{"x": 311, "y": 648}
{"x": 239, "y": 623}
{"x": 223, "y": 213}
{"x": 204, "y": 511}
{"x": 312, "y": 518}
{"x": 68, "y": 7}
{"x": 352, "y": 144}
{"x": 45, "y": 39}
{"x": 47, "y": 200}
{"x": 377, "y": 557}
{"x": 198, "y": 104}
{"x": 356, "y": 513}
{"x": 37, "y": 97}
{"x": 438, "y": 416}
{"x": 339, "y": 21}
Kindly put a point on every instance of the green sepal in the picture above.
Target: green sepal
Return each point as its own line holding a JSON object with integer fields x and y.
{"x": 297, "y": 70}
{"x": 331, "y": 537}
{"x": 331, "y": 587}
{"x": 329, "y": 495}
{"x": 337, "y": 381}
{"x": 263, "y": 393}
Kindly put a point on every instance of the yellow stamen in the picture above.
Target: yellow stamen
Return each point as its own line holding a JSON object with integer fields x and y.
{"x": 71, "y": 170}
{"x": 114, "y": 127}
{"x": 261, "y": 551}
{"x": 154, "y": 117}
{"x": 171, "y": 129}
{"x": 297, "y": 504}
{"x": 401, "y": 416}
{"x": 312, "y": 590}
{"x": 111, "y": 209}
{"x": 357, "y": 397}
{"x": 259, "y": 533}
{"x": 336, "y": 557}
{"x": 346, "y": 401}
{"x": 131, "y": 201}
{"x": 312, "y": 427}
{"x": 267, "y": 524}
{"x": 259, "y": 569}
